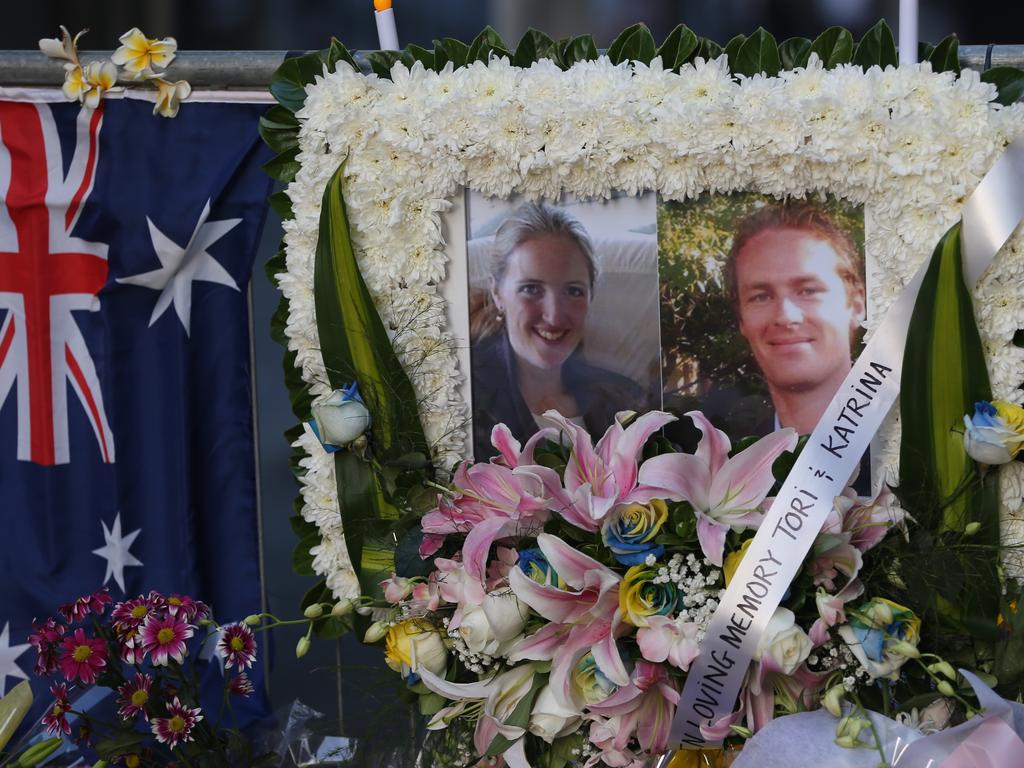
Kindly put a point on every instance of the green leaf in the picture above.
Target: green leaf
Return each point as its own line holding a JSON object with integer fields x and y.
{"x": 877, "y": 48}
{"x": 634, "y": 44}
{"x": 288, "y": 84}
{"x": 534, "y": 46}
{"x": 381, "y": 62}
{"x": 279, "y": 128}
{"x": 284, "y": 167}
{"x": 946, "y": 55}
{"x": 575, "y": 49}
{"x": 337, "y": 52}
{"x": 119, "y": 744}
{"x": 441, "y": 56}
{"x": 679, "y": 47}
{"x": 486, "y": 43}
{"x": 431, "y": 703}
{"x": 924, "y": 50}
{"x": 759, "y": 53}
{"x": 281, "y": 204}
{"x": 300, "y": 526}
{"x": 709, "y": 49}
{"x": 561, "y": 752}
{"x": 457, "y": 51}
{"x": 794, "y": 52}
{"x": 834, "y": 46}
{"x": 422, "y": 55}
{"x": 302, "y": 560}
{"x": 732, "y": 48}
{"x": 1009, "y": 81}
{"x": 944, "y": 374}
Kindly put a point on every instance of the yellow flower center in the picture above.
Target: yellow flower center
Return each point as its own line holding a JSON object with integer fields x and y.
{"x": 132, "y": 761}
{"x": 139, "y": 612}
{"x": 139, "y": 698}
{"x": 236, "y": 643}
{"x": 165, "y": 635}
{"x": 82, "y": 653}
{"x": 57, "y": 710}
{"x": 176, "y": 724}
{"x": 174, "y": 600}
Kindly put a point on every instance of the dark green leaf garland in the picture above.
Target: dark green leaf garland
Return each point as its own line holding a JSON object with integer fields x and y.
{"x": 279, "y": 127}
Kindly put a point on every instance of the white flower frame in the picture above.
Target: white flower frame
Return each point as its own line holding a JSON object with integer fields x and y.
{"x": 907, "y": 143}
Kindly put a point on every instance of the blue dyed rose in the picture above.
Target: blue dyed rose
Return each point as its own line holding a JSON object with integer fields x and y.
{"x": 629, "y": 531}
{"x": 537, "y": 568}
{"x": 340, "y": 418}
{"x": 995, "y": 434}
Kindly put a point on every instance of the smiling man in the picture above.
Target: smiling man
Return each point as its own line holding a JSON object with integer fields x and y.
{"x": 797, "y": 285}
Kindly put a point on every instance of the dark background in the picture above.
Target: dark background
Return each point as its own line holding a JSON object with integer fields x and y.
{"x": 309, "y": 24}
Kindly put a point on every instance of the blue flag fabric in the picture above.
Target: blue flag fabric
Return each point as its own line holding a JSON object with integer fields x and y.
{"x": 126, "y": 430}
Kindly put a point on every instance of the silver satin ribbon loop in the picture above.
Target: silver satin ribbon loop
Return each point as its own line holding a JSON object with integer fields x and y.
{"x": 828, "y": 460}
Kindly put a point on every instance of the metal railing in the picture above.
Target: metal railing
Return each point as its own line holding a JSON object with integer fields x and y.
{"x": 250, "y": 70}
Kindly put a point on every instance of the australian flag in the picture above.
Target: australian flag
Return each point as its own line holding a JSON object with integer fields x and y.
{"x": 126, "y": 429}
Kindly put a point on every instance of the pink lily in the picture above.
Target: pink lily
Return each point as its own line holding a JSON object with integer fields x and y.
{"x": 599, "y": 477}
{"x": 494, "y": 502}
{"x": 510, "y": 452}
{"x": 832, "y": 609}
{"x": 602, "y": 735}
{"x": 645, "y": 707}
{"x": 724, "y": 492}
{"x": 674, "y": 640}
{"x": 583, "y": 618}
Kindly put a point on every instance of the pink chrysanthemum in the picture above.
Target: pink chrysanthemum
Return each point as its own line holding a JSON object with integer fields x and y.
{"x": 177, "y": 726}
{"x": 46, "y": 639}
{"x": 134, "y": 696}
{"x": 83, "y": 606}
{"x": 163, "y": 638}
{"x": 237, "y": 646}
{"x": 131, "y": 613}
{"x": 131, "y": 647}
{"x": 241, "y": 685}
{"x": 56, "y": 717}
{"x": 82, "y": 657}
{"x": 183, "y": 606}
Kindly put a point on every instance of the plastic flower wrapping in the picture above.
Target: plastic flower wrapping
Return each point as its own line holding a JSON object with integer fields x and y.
{"x": 567, "y": 586}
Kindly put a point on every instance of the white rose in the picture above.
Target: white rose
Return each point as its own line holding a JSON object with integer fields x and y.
{"x": 341, "y": 417}
{"x": 786, "y": 643}
{"x": 489, "y": 627}
{"x": 550, "y": 719}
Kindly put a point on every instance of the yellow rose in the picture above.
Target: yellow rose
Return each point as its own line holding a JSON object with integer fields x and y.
{"x": 415, "y": 643}
{"x": 640, "y": 596}
{"x": 733, "y": 560}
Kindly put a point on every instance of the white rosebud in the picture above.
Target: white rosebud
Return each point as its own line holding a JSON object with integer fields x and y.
{"x": 549, "y": 719}
{"x": 489, "y": 627}
{"x": 341, "y": 417}
{"x": 786, "y": 643}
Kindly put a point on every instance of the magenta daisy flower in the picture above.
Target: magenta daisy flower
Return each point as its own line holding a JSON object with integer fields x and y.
{"x": 237, "y": 646}
{"x": 46, "y": 639}
{"x": 241, "y": 685}
{"x": 131, "y": 613}
{"x": 87, "y": 604}
{"x": 82, "y": 657}
{"x": 177, "y": 726}
{"x": 56, "y": 717}
{"x": 185, "y": 607}
{"x": 164, "y": 638}
{"x": 131, "y": 648}
{"x": 133, "y": 697}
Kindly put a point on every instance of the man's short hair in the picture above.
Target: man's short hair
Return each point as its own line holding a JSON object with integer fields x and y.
{"x": 805, "y": 217}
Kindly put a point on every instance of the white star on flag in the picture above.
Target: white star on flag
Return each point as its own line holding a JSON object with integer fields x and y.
{"x": 115, "y": 551}
{"x": 8, "y": 658}
{"x": 180, "y": 267}
{"x": 208, "y": 650}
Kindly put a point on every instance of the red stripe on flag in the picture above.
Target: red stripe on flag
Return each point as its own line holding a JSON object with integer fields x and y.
{"x": 5, "y": 342}
{"x": 90, "y": 168}
{"x": 90, "y": 402}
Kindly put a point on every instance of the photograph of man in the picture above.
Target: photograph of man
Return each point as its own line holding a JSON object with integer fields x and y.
{"x": 543, "y": 328}
{"x": 796, "y": 281}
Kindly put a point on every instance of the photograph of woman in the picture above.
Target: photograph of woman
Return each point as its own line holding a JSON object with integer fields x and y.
{"x": 560, "y": 318}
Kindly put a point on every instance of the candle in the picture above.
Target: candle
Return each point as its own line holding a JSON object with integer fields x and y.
{"x": 908, "y": 31}
{"x": 386, "y": 32}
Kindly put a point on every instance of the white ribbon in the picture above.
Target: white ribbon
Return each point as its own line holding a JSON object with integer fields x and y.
{"x": 826, "y": 463}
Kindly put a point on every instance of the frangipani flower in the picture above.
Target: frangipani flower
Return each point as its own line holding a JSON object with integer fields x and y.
{"x": 725, "y": 492}
{"x": 64, "y": 47}
{"x": 140, "y": 55}
{"x": 87, "y": 84}
{"x": 582, "y": 618}
{"x": 995, "y": 434}
{"x": 169, "y": 96}
{"x": 598, "y": 477}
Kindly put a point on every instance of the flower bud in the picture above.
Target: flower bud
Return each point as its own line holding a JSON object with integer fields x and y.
{"x": 905, "y": 649}
{"x": 945, "y": 688}
{"x": 376, "y": 632}
{"x": 943, "y": 668}
{"x": 833, "y": 700}
{"x": 253, "y": 619}
{"x": 972, "y": 528}
{"x": 302, "y": 647}
{"x": 314, "y": 611}
{"x": 342, "y": 608}
{"x": 847, "y": 742}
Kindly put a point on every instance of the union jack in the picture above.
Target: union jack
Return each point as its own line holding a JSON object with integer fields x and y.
{"x": 45, "y": 275}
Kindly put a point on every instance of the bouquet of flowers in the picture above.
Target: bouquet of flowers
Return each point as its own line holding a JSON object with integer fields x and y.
{"x": 570, "y": 584}
{"x": 144, "y": 649}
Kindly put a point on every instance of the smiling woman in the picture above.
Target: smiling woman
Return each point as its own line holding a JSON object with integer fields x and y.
{"x": 540, "y": 282}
